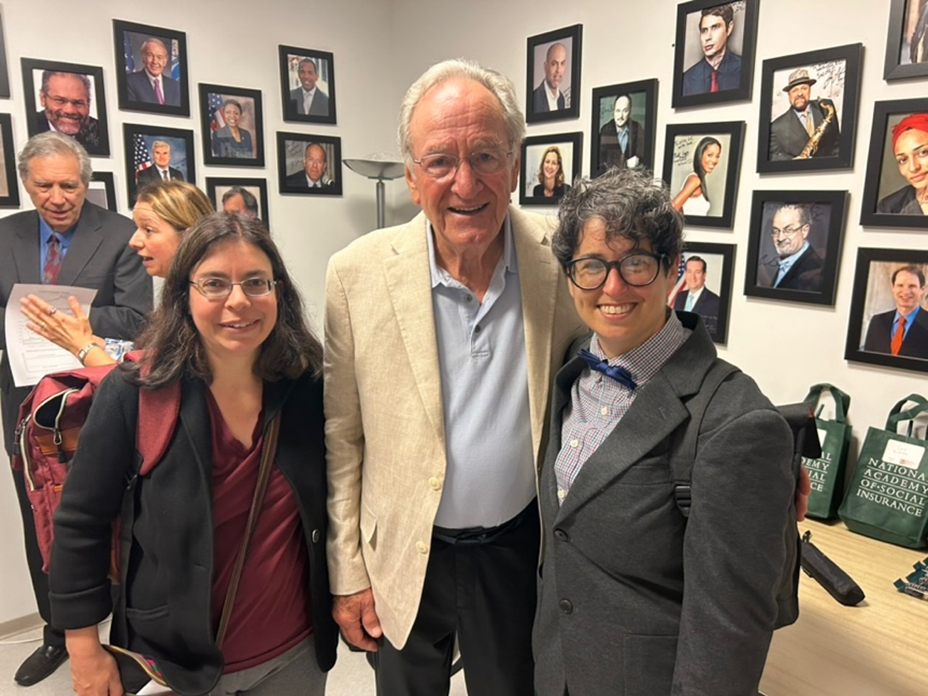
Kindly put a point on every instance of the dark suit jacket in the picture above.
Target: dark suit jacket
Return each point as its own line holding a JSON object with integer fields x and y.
{"x": 901, "y": 202}
{"x": 298, "y": 180}
{"x": 805, "y": 274}
{"x": 788, "y": 137}
{"x": 99, "y": 257}
{"x": 139, "y": 89}
{"x": 632, "y": 599}
{"x": 319, "y": 107}
{"x": 698, "y": 79}
{"x": 88, "y": 136}
{"x": 147, "y": 176}
{"x": 611, "y": 155}
{"x": 880, "y": 332}
{"x": 540, "y": 100}
{"x": 707, "y": 307}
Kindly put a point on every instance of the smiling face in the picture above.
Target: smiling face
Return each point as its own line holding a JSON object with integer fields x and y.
{"x": 908, "y": 292}
{"x": 66, "y": 103}
{"x": 911, "y": 152}
{"x": 799, "y": 96}
{"x": 622, "y": 316}
{"x": 55, "y": 187}
{"x": 314, "y": 162}
{"x": 713, "y": 35}
{"x": 234, "y": 327}
{"x": 555, "y": 64}
{"x": 551, "y": 165}
{"x": 232, "y": 115}
{"x": 467, "y": 210}
{"x": 155, "y": 57}
{"x": 161, "y": 154}
{"x": 710, "y": 158}
{"x": 695, "y": 275}
{"x": 789, "y": 233}
{"x": 154, "y": 240}
{"x": 307, "y": 75}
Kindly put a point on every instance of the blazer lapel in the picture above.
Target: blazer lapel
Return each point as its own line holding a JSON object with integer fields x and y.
{"x": 87, "y": 238}
{"x": 410, "y": 288}
{"x": 26, "y": 251}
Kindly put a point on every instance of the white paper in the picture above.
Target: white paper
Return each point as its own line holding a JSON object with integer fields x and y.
{"x": 903, "y": 454}
{"x": 153, "y": 688}
{"x": 31, "y": 356}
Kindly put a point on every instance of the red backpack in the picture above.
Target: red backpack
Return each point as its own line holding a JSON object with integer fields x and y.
{"x": 50, "y": 421}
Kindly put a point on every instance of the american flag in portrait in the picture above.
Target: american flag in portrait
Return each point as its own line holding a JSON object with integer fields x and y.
{"x": 214, "y": 106}
{"x": 680, "y": 285}
{"x": 140, "y": 156}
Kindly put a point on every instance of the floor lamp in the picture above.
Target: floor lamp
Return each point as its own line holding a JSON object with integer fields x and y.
{"x": 381, "y": 169}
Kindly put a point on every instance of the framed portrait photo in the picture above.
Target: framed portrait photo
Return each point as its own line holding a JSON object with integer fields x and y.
{"x": 714, "y": 55}
{"x": 235, "y": 195}
{"x": 794, "y": 245}
{"x": 889, "y": 286}
{"x": 623, "y": 127}
{"x": 705, "y": 285}
{"x": 232, "y": 127}
{"x": 102, "y": 190}
{"x": 4, "y": 66}
{"x": 701, "y": 165}
{"x": 550, "y": 163}
{"x": 151, "y": 69}
{"x": 309, "y": 164}
{"x": 307, "y": 85}
{"x": 552, "y": 79}
{"x": 68, "y": 98}
{"x": 906, "y": 40}
{"x": 895, "y": 187}
{"x": 808, "y": 110}
{"x": 9, "y": 189}
{"x": 154, "y": 153}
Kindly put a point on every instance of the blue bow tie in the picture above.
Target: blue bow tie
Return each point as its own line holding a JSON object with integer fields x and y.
{"x": 618, "y": 373}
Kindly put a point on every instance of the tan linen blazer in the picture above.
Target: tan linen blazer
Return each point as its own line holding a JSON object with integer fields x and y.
{"x": 385, "y": 436}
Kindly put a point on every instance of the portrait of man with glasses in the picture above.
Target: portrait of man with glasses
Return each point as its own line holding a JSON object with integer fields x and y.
{"x": 793, "y": 263}
{"x": 66, "y": 98}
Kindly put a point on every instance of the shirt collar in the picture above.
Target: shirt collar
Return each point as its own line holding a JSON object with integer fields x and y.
{"x": 45, "y": 233}
{"x": 644, "y": 361}
{"x": 308, "y": 93}
{"x": 790, "y": 260}
{"x": 909, "y": 318}
{"x": 440, "y": 276}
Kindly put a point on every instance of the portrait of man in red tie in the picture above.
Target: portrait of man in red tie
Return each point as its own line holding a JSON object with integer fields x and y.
{"x": 151, "y": 68}
{"x": 719, "y": 67}
{"x": 902, "y": 331}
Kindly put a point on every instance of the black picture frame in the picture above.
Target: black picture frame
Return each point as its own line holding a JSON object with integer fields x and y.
{"x": 216, "y": 187}
{"x": 536, "y": 106}
{"x": 714, "y": 307}
{"x": 885, "y": 187}
{"x": 873, "y": 309}
{"x": 324, "y": 62}
{"x": 9, "y": 184}
{"x": 692, "y": 76}
{"x": 835, "y": 87}
{"x": 569, "y": 148}
{"x": 682, "y": 144}
{"x": 811, "y": 279}
{"x": 94, "y": 131}
{"x": 219, "y": 146}
{"x": 140, "y": 141}
{"x": 4, "y": 65}
{"x": 291, "y": 149}
{"x": 102, "y": 190}
{"x": 903, "y": 59}
{"x": 135, "y": 92}
{"x": 605, "y": 151}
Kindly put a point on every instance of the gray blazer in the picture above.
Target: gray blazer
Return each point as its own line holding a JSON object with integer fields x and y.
{"x": 634, "y": 600}
{"x": 99, "y": 257}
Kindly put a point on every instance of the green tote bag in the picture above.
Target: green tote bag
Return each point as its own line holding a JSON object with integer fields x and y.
{"x": 827, "y": 472}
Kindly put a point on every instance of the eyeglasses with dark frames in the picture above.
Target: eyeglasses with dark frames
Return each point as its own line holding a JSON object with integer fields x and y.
{"x": 638, "y": 269}
{"x": 484, "y": 162}
{"x": 216, "y": 288}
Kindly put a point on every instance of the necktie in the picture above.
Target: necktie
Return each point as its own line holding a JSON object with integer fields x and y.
{"x": 617, "y": 372}
{"x": 158, "y": 94}
{"x": 714, "y": 84}
{"x": 898, "y": 335}
{"x": 690, "y": 301}
{"x": 53, "y": 261}
{"x": 164, "y": 174}
{"x": 807, "y": 117}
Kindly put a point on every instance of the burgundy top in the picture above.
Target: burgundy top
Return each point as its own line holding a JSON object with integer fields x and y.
{"x": 272, "y": 610}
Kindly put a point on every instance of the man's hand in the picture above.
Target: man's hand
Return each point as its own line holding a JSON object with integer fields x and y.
{"x": 356, "y": 617}
{"x": 93, "y": 670}
{"x": 803, "y": 491}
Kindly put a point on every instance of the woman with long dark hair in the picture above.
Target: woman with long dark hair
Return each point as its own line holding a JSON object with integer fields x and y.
{"x": 693, "y": 198}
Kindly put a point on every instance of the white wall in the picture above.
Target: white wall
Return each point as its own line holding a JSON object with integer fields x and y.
{"x": 380, "y": 47}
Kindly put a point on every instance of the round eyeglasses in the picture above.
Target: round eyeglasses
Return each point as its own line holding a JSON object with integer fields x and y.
{"x": 220, "y": 288}
{"x": 637, "y": 269}
{"x": 483, "y": 162}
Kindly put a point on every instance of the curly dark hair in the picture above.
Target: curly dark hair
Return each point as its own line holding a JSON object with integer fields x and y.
{"x": 173, "y": 348}
{"x": 631, "y": 204}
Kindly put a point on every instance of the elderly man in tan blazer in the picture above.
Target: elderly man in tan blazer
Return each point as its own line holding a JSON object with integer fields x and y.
{"x": 441, "y": 339}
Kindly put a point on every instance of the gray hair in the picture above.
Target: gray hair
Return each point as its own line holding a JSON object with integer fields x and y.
{"x": 153, "y": 39}
{"x": 54, "y": 144}
{"x": 160, "y": 143}
{"x": 49, "y": 74}
{"x": 500, "y": 85}
{"x": 630, "y": 203}
{"x": 251, "y": 203}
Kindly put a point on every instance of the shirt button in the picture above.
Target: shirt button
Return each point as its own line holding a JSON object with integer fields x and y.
{"x": 435, "y": 483}
{"x": 421, "y": 547}
{"x": 605, "y": 410}
{"x": 561, "y": 494}
{"x": 566, "y": 606}
{"x": 468, "y": 298}
{"x": 316, "y": 536}
{"x": 575, "y": 443}
{"x": 477, "y": 329}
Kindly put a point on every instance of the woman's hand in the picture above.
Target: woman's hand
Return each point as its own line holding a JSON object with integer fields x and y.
{"x": 93, "y": 669}
{"x": 70, "y": 332}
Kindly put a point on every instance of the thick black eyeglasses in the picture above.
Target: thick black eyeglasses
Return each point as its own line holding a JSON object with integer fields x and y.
{"x": 637, "y": 269}
{"x": 221, "y": 288}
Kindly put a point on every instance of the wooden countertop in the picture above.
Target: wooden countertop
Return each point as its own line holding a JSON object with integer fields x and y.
{"x": 877, "y": 648}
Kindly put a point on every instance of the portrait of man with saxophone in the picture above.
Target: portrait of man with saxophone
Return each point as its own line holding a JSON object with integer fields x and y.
{"x": 808, "y": 128}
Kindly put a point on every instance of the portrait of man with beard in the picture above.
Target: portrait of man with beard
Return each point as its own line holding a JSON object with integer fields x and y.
{"x": 65, "y": 98}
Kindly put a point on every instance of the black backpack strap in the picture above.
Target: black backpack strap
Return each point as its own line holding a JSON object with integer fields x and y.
{"x": 683, "y": 456}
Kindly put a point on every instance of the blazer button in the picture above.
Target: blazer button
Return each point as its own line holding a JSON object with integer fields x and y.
{"x": 315, "y": 536}
{"x": 566, "y": 606}
{"x": 560, "y": 535}
{"x": 421, "y": 547}
{"x": 435, "y": 483}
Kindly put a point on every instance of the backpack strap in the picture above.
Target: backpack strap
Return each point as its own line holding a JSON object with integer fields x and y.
{"x": 683, "y": 457}
{"x": 159, "y": 411}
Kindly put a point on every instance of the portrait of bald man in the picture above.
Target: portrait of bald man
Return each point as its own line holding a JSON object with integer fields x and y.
{"x": 553, "y": 76}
